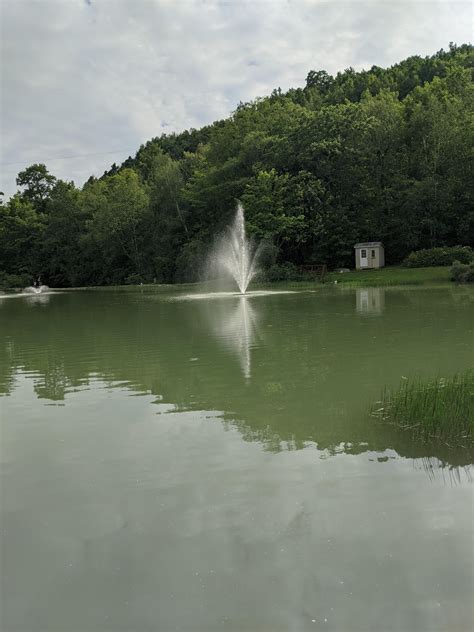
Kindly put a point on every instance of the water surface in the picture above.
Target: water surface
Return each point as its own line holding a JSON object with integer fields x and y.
{"x": 211, "y": 464}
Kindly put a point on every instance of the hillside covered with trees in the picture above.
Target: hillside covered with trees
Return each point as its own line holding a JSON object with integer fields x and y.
{"x": 382, "y": 154}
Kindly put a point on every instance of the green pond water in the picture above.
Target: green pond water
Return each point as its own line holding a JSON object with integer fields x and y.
{"x": 209, "y": 464}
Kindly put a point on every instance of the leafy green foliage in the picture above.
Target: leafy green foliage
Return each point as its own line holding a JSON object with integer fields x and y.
{"x": 382, "y": 154}
{"x": 37, "y": 183}
{"x": 462, "y": 273}
{"x": 439, "y": 257}
{"x": 8, "y": 281}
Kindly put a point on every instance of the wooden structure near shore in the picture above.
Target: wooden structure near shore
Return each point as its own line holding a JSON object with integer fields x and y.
{"x": 318, "y": 271}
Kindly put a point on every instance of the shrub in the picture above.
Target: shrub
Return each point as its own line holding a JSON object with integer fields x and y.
{"x": 283, "y": 272}
{"x": 439, "y": 257}
{"x": 133, "y": 279}
{"x": 10, "y": 281}
{"x": 461, "y": 273}
{"x": 190, "y": 262}
{"x": 267, "y": 255}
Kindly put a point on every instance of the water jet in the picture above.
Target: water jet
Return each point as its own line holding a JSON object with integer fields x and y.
{"x": 235, "y": 255}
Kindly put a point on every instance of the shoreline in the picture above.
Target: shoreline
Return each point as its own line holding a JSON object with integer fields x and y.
{"x": 391, "y": 276}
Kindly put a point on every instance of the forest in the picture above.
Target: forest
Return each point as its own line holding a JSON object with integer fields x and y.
{"x": 381, "y": 154}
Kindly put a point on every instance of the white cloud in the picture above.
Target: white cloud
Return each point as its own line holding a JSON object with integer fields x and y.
{"x": 93, "y": 76}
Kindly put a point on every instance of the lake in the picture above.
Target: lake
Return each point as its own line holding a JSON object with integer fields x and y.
{"x": 179, "y": 463}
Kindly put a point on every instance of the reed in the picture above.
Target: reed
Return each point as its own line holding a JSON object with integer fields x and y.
{"x": 437, "y": 408}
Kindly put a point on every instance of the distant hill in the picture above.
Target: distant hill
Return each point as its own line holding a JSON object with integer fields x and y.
{"x": 382, "y": 154}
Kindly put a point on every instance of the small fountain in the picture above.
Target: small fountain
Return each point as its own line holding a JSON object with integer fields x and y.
{"x": 235, "y": 254}
{"x": 36, "y": 289}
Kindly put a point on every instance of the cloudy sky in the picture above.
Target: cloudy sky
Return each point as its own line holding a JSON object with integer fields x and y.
{"x": 85, "y": 82}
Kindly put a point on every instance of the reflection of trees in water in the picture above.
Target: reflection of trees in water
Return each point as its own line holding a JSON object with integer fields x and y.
{"x": 53, "y": 384}
{"x": 364, "y": 437}
{"x": 292, "y": 390}
{"x": 7, "y": 367}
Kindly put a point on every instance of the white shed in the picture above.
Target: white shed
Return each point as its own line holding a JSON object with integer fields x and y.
{"x": 369, "y": 255}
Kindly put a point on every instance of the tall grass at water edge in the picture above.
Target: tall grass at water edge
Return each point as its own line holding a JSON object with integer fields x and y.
{"x": 437, "y": 408}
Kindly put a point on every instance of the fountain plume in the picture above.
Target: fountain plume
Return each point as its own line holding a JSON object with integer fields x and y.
{"x": 235, "y": 254}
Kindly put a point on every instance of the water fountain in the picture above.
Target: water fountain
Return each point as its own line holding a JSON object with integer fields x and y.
{"x": 36, "y": 289}
{"x": 235, "y": 255}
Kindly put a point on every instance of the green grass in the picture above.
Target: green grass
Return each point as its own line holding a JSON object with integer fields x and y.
{"x": 391, "y": 276}
{"x": 385, "y": 277}
{"x": 437, "y": 408}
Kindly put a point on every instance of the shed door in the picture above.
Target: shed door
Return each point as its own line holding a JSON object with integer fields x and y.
{"x": 364, "y": 261}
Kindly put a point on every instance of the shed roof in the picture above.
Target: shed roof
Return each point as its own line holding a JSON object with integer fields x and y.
{"x": 368, "y": 244}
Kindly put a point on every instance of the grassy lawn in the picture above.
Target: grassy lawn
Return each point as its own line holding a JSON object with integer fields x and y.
{"x": 355, "y": 278}
{"x": 391, "y": 276}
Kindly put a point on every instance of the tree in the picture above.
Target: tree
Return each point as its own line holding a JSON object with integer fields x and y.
{"x": 21, "y": 233}
{"x": 319, "y": 79}
{"x": 63, "y": 260}
{"x": 117, "y": 205}
{"x": 37, "y": 183}
{"x": 441, "y": 138}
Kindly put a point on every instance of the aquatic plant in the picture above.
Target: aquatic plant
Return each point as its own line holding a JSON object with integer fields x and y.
{"x": 437, "y": 408}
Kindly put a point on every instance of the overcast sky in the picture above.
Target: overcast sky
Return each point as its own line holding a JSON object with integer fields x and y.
{"x": 85, "y": 82}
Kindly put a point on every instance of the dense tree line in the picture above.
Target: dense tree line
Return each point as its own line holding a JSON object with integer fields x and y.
{"x": 381, "y": 154}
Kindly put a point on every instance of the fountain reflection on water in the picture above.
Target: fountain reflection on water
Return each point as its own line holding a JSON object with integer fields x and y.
{"x": 236, "y": 326}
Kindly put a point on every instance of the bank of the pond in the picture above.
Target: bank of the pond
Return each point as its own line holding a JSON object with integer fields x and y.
{"x": 437, "y": 408}
{"x": 393, "y": 275}
{"x": 384, "y": 277}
